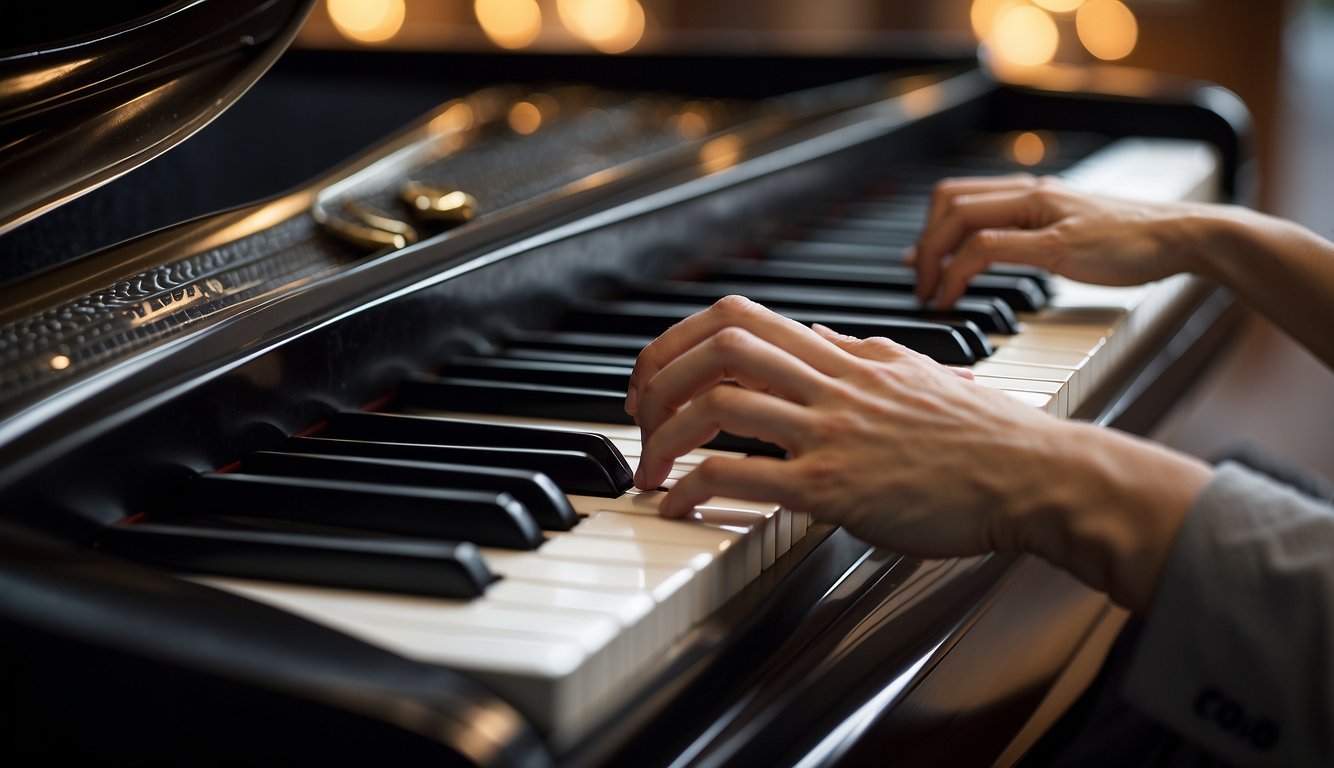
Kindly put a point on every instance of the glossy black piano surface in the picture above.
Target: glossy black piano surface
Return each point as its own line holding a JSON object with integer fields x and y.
{"x": 148, "y": 388}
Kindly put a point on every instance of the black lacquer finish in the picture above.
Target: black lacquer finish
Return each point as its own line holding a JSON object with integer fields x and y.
{"x": 484, "y": 517}
{"x": 534, "y": 490}
{"x": 573, "y": 471}
{"x": 77, "y": 113}
{"x": 414, "y": 567}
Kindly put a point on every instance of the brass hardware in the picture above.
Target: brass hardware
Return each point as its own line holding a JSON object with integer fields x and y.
{"x": 451, "y": 207}
{"x": 363, "y": 236}
{"x": 366, "y": 215}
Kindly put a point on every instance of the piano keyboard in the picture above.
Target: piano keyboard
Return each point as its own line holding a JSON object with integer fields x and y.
{"x": 566, "y": 622}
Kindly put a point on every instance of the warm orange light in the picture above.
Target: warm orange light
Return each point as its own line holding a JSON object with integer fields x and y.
{"x": 984, "y": 13}
{"x": 367, "y": 21}
{"x": 59, "y": 362}
{"x": 1059, "y": 6}
{"x": 455, "y": 118}
{"x": 611, "y": 26}
{"x": 691, "y": 124}
{"x": 524, "y": 117}
{"x": 1024, "y": 35}
{"x": 509, "y": 23}
{"x": 1029, "y": 147}
{"x": 722, "y": 152}
{"x": 1107, "y": 28}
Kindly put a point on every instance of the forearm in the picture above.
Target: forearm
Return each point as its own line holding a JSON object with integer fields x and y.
{"x": 1112, "y": 510}
{"x": 1279, "y": 268}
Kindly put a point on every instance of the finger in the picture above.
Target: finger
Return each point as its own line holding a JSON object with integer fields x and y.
{"x": 737, "y": 311}
{"x": 964, "y": 215}
{"x": 742, "y": 412}
{"x": 754, "y": 478}
{"x": 947, "y": 189}
{"x": 990, "y": 246}
{"x": 877, "y": 348}
{"x": 730, "y": 354}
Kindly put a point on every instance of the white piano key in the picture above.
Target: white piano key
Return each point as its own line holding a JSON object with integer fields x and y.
{"x": 737, "y": 550}
{"x": 673, "y": 590}
{"x": 546, "y": 675}
{"x": 1052, "y": 389}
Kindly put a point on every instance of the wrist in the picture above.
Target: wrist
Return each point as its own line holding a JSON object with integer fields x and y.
{"x": 1112, "y": 509}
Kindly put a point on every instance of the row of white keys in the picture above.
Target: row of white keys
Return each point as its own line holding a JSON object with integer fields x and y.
{"x": 1087, "y": 331}
{"x": 570, "y": 624}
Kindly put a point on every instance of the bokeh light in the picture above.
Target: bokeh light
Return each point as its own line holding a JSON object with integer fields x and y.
{"x": 1059, "y": 6}
{"x": 1024, "y": 35}
{"x": 367, "y": 21}
{"x": 1029, "y": 148}
{"x": 1107, "y": 28}
{"x": 611, "y": 26}
{"x": 509, "y": 23}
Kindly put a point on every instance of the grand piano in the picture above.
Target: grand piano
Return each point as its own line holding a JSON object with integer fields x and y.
{"x": 342, "y": 473}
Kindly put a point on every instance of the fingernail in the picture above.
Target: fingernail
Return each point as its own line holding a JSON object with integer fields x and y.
{"x": 910, "y": 255}
{"x": 631, "y": 401}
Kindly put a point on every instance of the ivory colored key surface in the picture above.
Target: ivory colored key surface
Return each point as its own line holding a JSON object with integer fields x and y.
{"x": 553, "y": 669}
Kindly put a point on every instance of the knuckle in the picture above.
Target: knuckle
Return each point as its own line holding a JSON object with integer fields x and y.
{"x": 734, "y": 305}
{"x": 732, "y": 340}
{"x": 712, "y": 470}
{"x": 715, "y": 400}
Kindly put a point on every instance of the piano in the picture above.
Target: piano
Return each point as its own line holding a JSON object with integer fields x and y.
{"x": 342, "y": 473}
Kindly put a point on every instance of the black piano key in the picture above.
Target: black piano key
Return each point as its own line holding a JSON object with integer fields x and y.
{"x": 565, "y": 373}
{"x": 573, "y": 471}
{"x": 485, "y": 518}
{"x": 540, "y": 353}
{"x": 543, "y": 401}
{"x": 887, "y": 238}
{"x": 1022, "y": 294}
{"x": 989, "y": 314}
{"x": 819, "y": 252}
{"x": 537, "y": 492}
{"x": 942, "y": 343}
{"x": 513, "y": 398}
{"x": 437, "y": 569}
{"x": 415, "y": 393}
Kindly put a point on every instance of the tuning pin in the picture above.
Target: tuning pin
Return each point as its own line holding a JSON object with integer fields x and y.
{"x": 451, "y": 207}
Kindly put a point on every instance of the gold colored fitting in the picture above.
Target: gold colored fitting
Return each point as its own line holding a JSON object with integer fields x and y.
{"x": 451, "y": 207}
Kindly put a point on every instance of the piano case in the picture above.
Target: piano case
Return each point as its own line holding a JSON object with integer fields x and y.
{"x": 130, "y": 367}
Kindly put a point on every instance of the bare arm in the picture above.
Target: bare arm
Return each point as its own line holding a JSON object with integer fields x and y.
{"x": 1279, "y": 268}
{"x": 902, "y": 452}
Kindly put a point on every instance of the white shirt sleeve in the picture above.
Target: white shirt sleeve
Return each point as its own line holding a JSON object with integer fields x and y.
{"x": 1237, "y": 652}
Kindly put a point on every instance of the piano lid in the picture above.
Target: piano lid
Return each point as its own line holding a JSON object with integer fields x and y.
{"x": 77, "y": 112}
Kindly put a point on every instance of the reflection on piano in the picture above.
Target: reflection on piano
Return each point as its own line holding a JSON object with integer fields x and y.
{"x": 346, "y": 472}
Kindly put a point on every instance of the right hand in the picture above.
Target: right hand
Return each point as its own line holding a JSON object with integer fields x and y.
{"x": 1021, "y": 219}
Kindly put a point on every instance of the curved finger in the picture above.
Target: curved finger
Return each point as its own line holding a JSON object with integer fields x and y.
{"x": 730, "y": 354}
{"x": 742, "y": 412}
{"x": 737, "y": 311}
{"x": 754, "y": 478}
{"x": 991, "y": 246}
{"x": 963, "y": 216}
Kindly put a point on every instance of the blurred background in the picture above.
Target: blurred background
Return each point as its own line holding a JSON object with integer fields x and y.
{"x": 1277, "y": 55}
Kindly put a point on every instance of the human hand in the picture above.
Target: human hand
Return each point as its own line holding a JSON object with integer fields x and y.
{"x": 1021, "y": 219}
{"x": 883, "y": 441}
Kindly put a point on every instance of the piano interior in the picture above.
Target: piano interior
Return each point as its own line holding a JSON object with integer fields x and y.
{"x": 345, "y": 471}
